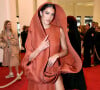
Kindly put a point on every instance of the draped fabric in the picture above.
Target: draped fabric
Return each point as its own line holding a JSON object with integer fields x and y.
{"x": 70, "y": 63}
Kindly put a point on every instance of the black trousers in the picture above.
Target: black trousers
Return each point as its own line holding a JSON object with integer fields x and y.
{"x": 87, "y": 57}
{"x": 74, "y": 81}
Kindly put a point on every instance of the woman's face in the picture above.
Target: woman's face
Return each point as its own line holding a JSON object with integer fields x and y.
{"x": 47, "y": 15}
{"x": 87, "y": 27}
{"x": 8, "y": 26}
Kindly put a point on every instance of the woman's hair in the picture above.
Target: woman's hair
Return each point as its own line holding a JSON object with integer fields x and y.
{"x": 46, "y": 6}
{"x": 88, "y": 24}
{"x": 71, "y": 20}
{"x": 5, "y": 25}
{"x": 24, "y": 27}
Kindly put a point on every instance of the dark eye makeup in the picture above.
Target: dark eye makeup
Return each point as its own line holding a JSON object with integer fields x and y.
{"x": 49, "y": 13}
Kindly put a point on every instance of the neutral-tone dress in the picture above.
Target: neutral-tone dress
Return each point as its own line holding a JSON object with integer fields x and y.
{"x": 11, "y": 50}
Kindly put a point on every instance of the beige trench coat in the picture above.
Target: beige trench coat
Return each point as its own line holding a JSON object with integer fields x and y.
{"x": 11, "y": 50}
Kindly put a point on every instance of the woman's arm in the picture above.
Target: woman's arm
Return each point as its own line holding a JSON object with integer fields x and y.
{"x": 53, "y": 58}
{"x": 4, "y": 38}
{"x": 63, "y": 44}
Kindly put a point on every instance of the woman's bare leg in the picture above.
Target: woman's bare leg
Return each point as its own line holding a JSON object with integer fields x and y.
{"x": 16, "y": 67}
{"x": 17, "y": 70}
{"x": 10, "y": 73}
{"x": 59, "y": 84}
{"x": 10, "y": 69}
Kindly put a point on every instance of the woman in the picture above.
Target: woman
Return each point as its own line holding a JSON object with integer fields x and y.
{"x": 11, "y": 49}
{"x": 48, "y": 51}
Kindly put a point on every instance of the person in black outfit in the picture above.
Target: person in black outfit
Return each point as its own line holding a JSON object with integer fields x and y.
{"x": 97, "y": 46}
{"x": 24, "y": 36}
{"x": 88, "y": 45}
{"x": 74, "y": 81}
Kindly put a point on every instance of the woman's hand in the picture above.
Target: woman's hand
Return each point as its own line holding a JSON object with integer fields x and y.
{"x": 44, "y": 44}
{"x": 52, "y": 60}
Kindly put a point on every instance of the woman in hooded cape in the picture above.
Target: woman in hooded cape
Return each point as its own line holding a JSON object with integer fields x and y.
{"x": 40, "y": 75}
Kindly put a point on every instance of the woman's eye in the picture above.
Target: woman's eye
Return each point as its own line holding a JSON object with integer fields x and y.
{"x": 52, "y": 14}
{"x": 47, "y": 12}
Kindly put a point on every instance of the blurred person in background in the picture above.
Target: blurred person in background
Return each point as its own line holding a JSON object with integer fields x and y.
{"x": 11, "y": 49}
{"x": 97, "y": 46}
{"x": 88, "y": 45}
{"x": 24, "y": 37}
